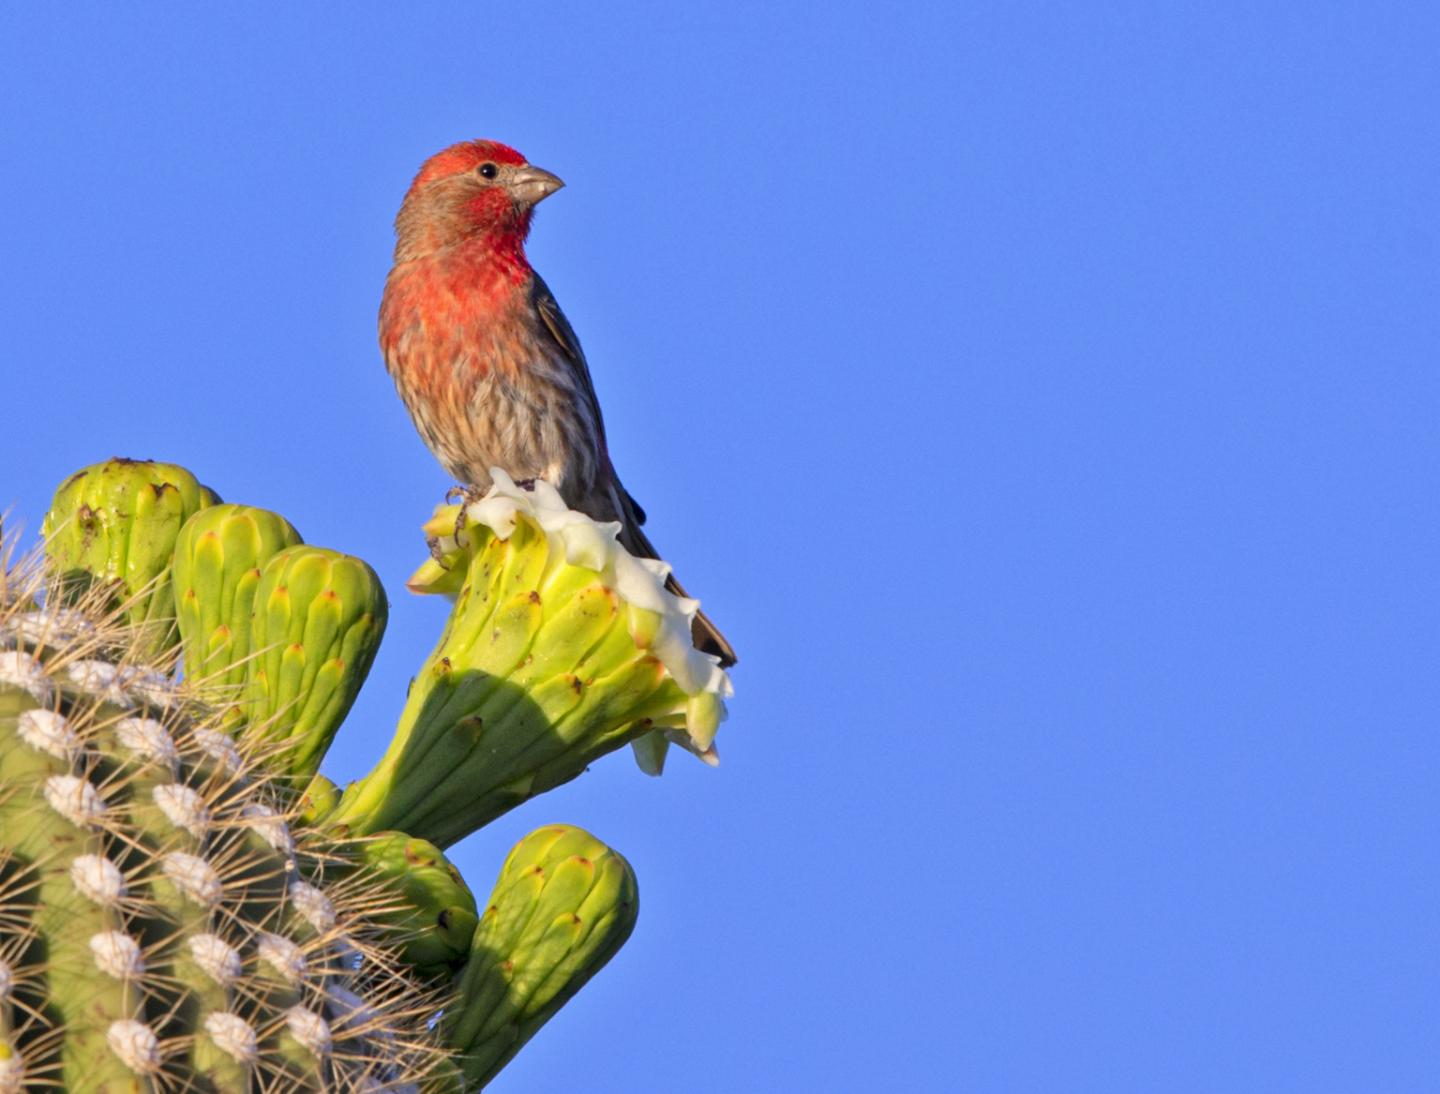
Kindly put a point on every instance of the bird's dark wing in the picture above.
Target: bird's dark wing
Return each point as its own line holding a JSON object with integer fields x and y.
{"x": 705, "y": 634}
{"x": 568, "y": 342}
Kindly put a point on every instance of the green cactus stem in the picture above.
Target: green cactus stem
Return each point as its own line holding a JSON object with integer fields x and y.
{"x": 218, "y": 557}
{"x": 165, "y": 922}
{"x": 563, "y": 906}
{"x": 319, "y": 616}
{"x": 115, "y": 523}
{"x": 561, "y": 647}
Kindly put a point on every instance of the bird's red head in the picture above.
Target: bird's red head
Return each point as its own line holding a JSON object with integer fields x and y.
{"x": 475, "y": 188}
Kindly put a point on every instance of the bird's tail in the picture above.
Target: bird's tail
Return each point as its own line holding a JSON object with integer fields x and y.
{"x": 703, "y": 633}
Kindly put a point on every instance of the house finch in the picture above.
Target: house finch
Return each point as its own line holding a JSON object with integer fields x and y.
{"x": 488, "y": 366}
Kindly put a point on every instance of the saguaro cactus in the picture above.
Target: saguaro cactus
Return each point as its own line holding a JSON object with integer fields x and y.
{"x": 186, "y": 904}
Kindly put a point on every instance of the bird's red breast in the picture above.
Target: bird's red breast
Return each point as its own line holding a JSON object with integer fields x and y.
{"x": 449, "y": 306}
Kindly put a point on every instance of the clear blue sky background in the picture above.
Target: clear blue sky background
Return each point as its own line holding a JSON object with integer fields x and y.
{"x": 1043, "y": 397}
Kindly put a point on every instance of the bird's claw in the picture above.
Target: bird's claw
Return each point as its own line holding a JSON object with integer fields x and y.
{"x": 468, "y": 496}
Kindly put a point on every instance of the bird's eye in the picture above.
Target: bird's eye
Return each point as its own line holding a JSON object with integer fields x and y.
{"x": 488, "y": 170}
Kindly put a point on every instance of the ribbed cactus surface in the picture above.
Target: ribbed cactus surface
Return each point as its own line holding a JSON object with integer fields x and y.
{"x": 115, "y": 525}
{"x": 163, "y": 924}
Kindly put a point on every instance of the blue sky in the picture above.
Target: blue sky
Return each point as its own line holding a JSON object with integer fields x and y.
{"x": 1043, "y": 398}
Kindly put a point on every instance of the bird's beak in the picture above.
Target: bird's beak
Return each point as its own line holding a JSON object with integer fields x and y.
{"x": 529, "y": 185}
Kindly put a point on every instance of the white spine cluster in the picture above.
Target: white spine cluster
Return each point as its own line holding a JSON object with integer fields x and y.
{"x": 270, "y": 827}
{"x": 220, "y": 748}
{"x": 75, "y": 800}
{"x": 48, "y": 731}
{"x": 117, "y": 955}
{"x": 98, "y": 880}
{"x": 101, "y": 679}
{"x": 194, "y": 877}
{"x": 183, "y": 807}
{"x": 20, "y": 669}
{"x": 155, "y": 689}
{"x": 147, "y": 739}
{"x": 233, "y": 1035}
{"x": 310, "y": 1030}
{"x": 136, "y": 1045}
{"x": 314, "y": 906}
{"x": 282, "y": 955}
{"x": 44, "y": 627}
{"x": 216, "y": 958}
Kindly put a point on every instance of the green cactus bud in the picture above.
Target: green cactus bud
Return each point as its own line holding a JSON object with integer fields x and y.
{"x": 163, "y": 922}
{"x": 563, "y": 906}
{"x": 319, "y": 617}
{"x": 431, "y": 911}
{"x": 561, "y": 647}
{"x": 318, "y": 801}
{"x": 115, "y": 523}
{"x": 218, "y": 557}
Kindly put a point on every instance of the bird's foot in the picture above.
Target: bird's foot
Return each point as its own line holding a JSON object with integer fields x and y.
{"x": 467, "y": 496}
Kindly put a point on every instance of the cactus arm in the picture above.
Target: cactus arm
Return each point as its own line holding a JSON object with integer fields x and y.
{"x": 560, "y": 648}
{"x": 563, "y": 905}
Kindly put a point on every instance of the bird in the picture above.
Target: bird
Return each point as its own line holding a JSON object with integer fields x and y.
{"x": 485, "y": 361}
